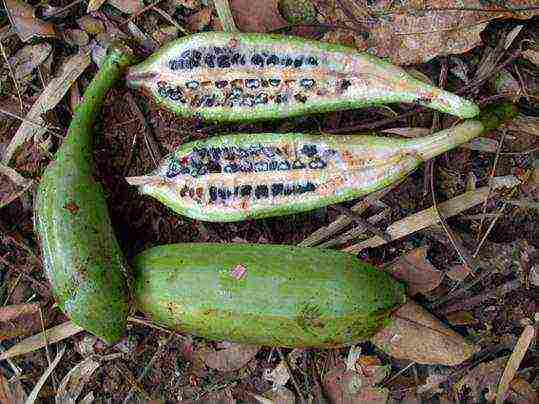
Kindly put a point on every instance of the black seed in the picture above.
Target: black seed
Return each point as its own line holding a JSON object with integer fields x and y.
{"x": 173, "y": 169}
{"x": 246, "y": 190}
{"x": 261, "y": 98}
{"x": 272, "y": 60}
{"x": 246, "y": 166}
{"x": 317, "y": 163}
{"x": 307, "y": 83}
{"x": 279, "y": 99}
{"x": 284, "y": 165}
{"x": 162, "y": 91}
{"x": 310, "y": 187}
{"x": 242, "y": 153}
{"x": 231, "y": 168}
{"x": 185, "y": 170}
{"x": 312, "y": 61}
{"x": 300, "y": 98}
{"x": 196, "y": 55}
{"x": 192, "y": 85}
{"x": 255, "y": 149}
{"x": 261, "y": 191}
{"x": 213, "y": 194}
{"x": 223, "y": 61}
{"x": 218, "y": 51}
{"x": 261, "y": 166}
{"x": 298, "y": 61}
{"x": 257, "y": 60}
{"x": 235, "y": 59}
{"x": 237, "y": 92}
{"x": 208, "y": 100}
{"x": 201, "y": 171}
{"x": 221, "y": 83}
{"x": 298, "y": 165}
{"x": 345, "y": 84}
{"x": 214, "y": 167}
{"x": 176, "y": 94}
{"x": 273, "y": 165}
{"x": 268, "y": 152}
{"x": 192, "y": 63}
{"x": 191, "y": 193}
{"x": 309, "y": 150}
{"x": 274, "y": 82}
{"x": 184, "y": 191}
{"x": 248, "y": 101}
{"x": 252, "y": 83}
{"x": 288, "y": 190}
{"x": 288, "y": 61}
{"x": 277, "y": 189}
{"x": 209, "y": 60}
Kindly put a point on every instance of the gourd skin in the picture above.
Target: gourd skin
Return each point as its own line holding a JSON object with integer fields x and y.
{"x": 81, "y": 256}
{"x": 281, "y": 296}
{"x": 225, "y": 77}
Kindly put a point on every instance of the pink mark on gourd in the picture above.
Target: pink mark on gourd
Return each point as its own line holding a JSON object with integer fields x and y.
{"x": 238, "y": 272}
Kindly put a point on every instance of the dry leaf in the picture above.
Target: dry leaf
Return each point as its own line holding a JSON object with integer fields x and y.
{"x": 413, "y": 31}
{"x": 416, "y": 271}
{"x": 277, "y": 395}
{"x": 38, "y": 341}
{"x": 522, "y": 392}
{"x": 348, "y": 387}
{"x": 458, "y": 272}
{"x": 532, "y": 56}
{"x": 37, "y": 388}
{"x": 481, "y": 379}
{"x": 91, "y": 25}
{"x": 482, "y": 144}
{"x": 53, "y": 93}
{"x": 15, "y": 310}
{"x": 223, "y": 396}
{"x": 75, "y": 380}
{"x": 199, "y": 20}
{"x": 428, "y": 217}
{"x": 23, "y": 19}
{"x": 93, "y": 5}
{"x": 514, "y": 361}
{"x": 127, "y": 6}
{"x": 229, "y": 359}
{"x": 461, "y": 318}
{"x": 257, "y": 15}
{"x": 28, "y": 58}
{"x": 417, "y": 336}
{"x": 12, "y": 186}
{"x": 76, "y": 37}
{"x": 371, "y": 370}
{"x": 11, "y": 392}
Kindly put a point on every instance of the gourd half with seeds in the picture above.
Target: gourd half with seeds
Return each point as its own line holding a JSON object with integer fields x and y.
{"x": 244, "y": 176}
{"x": 244, "y": 77}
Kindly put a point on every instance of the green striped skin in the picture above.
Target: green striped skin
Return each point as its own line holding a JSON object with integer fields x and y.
{"x": 342, "y": 79}
{"x": 272, "y": 295}
{"x": 81, "y": 256}
{"x": 354, "y": 166}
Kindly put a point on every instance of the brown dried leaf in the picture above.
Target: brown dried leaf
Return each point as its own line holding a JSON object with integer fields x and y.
{"x": 458, "y": 272}
{"x": 371, "y": 370}
{"x": 12, "y": 185}
{"x": 413, "y": 31}
{"x": 532, "y": 56}
{"x": 348, "y": 387}
{"x": 229, "y": 359}
{"x": 28, "y": 58}
{"x": 23, "y": 19}
{"x": 127, "y": 6}
{"x": 482, "y": 378}
{"x": 11, "y": 392}
{"x": 38, "y": 341}
{"x": 93, "y": 5}
{"x": 522, "y": 392}
{"x": 15, "y": 310}
{"x": 199, "y": 20}
{"x": 277, "y": 395}
{"x": 514, "y": 361}
{"x": 257, "y": 15}
{"x": 482, "y": 144}
{"x": 33, "y": 126}
{"x": 461, "y": 318}
{"x": 75, "y": 380}
{"x": 417, "y": 336}
{"x": 416, "y": 271}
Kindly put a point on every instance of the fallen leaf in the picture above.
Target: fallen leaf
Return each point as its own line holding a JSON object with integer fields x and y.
{"x": 257, "y": 15}
{"x": 26, "y": 59}
{"x": 11, "y": 392}
{"x": 412, "y": 31}
{"x": 461, "y": 318}
{"x": 223, "y": 396}
{"x": 482, "y": 144}
{"x": 91, "y": 25}
{"x": 227, "y": 360}
{"x": 532, "y": 56}
{"x": 458, "y": 272}
{"x": 94, "y": 5}
{"x": 371, "y": 370}
{"x": 33, "y": 126}
{"x": 280, "y": 375}
{"x": 15, "y": 310}
{"x": 12, "y": 186}
{"x": 38, "y": 341}
{"x": 417, "y": 336}
{"x": 75, "y": 380}
{"x": 76, "y": 37}
{"x": 480, "y": 382}
{"x": 23, "y": 19}
{"x": 416, "y": 271}
{"x": 127, "y": 6}
{"x": 37, "y": 388}
{"x": 514, "y": 361}
{"x": 348, "y": 387}
{"x": 199, "y": 20}
{"x": 522, "y": 392}
{"x": 298, "y": 11}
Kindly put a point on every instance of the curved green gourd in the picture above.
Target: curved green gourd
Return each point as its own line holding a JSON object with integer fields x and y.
{"x": 249, "y": 76}
{"x": 81, "y": 256}
{"x": 273, "y": 295}
{"x": 251, "y": 176}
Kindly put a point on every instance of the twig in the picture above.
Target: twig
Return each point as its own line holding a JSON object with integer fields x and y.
{"x": 294, "y": 381}
{"x": 355, "y": 217}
